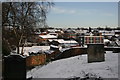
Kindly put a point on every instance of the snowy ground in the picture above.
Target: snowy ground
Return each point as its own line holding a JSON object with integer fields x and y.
{"x": 78, "y": 66}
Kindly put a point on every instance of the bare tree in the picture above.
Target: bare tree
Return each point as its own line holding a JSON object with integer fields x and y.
{"x": 22, "y": 17}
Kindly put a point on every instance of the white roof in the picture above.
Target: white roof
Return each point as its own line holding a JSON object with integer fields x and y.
{"x": 43, "y": 48}
{"x": 63, "y": 41}
{"x": 59, "y": 40}
{"x": 69, "y": 41}
{"x": 118, "y": 42}
{"x": 64, "y": 49}
{"x": 48, "y": 36}
{"x": 117, "y": 30}
{"x": 106, "y": 40}
{"x": 53, "y": 30}
{"x": 54, "y": 46}
{"x": 107, "y": 32}
{"x": 49, "y": 51}
{"x": 117, "y": 35}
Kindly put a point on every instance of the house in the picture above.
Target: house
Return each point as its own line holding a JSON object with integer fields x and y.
{"x": 107, "y": 33}
{"x": 83, "y": 40}
{"x": 69, "y": 34}
{"x": 65, "y": 43}
{"x": 117, "y": 31}
{"x": 69, "y": 43}
{"x": 43, "y": 39}
{"x": 93, "y": 39}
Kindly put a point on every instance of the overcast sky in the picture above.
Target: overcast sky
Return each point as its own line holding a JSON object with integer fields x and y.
{"x": 83, "y": 14}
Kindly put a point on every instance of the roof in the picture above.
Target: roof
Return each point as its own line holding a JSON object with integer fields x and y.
{"x": 54, "y": 46}
{"x": 64, "y": 49}
{"x": 69, "y": 41}
{"x": 49, "y": 51}
{"x": 117, "y": 30}
{"x": 93, "y": 36}
{"x": 48, "y": 36}
{"x": 63, "y": 41}
{"x": 107, "y": 32}
{"x": 34, "y": 49}
{"x": 106, "y": 40}
{"x": 118, "y": 43}
{"x": 59, "y": 40}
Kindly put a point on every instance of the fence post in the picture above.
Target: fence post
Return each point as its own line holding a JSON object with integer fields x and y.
{"x": 14, "y": 67}
{"x": 95, "y": 53}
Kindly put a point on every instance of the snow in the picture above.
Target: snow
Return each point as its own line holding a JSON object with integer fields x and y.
{"x": 69, "y": 41}
{"x": 15, "y": 54}
{"x": 78, "y": 66}
{"x": 106, "y": 40}
{"x": 118, "y": 43}
{"x": 49, "y": 51}
{"x": 61, "y": 41}
{"x": 48, "y": 36}
{"x": 54, "y": 46}
{"x": 64, "y": 49}
{"x": 34, "y": 49}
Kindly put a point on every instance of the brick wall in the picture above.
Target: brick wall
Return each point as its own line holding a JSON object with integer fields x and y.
{"x": 35, "y": 60}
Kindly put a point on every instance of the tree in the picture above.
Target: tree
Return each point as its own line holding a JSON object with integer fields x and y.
{"x": 22, "y": 17}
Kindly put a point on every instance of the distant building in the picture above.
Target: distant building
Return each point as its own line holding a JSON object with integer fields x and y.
{"x": 107, "y": 33}
{"x": 43, "y": 39}
{"x": 117, "y": 31}
{"x": 93, "y": 39}
{"x": 69, "y": 34}
{"x": 83, "y": 40}
{"x": 65, "y": 43}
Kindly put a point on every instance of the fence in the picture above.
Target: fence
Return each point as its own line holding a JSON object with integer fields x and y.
{"x": 35, "y": 60}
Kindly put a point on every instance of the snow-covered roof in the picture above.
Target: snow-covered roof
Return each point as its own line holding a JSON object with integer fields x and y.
{"x": 48, "y": 36}
{"x": 53, "y": 30}
{"x": 64, "y": 49}
{"x": 34, "y": 49}
{"x": 43, "y": 48}
{"x": 80, "y": 31}
{"x": 118, "y": 43}
{"x": 107, "y": 32}
{"x": 52, "y": 33}
{"x": 48, "y": 51}
{"x": 64, "y": 41}
{"x": 54, "y": 46}
{"x": 104, "y": 31}
{"x": 69, "y": 42}
{"x": 106, "y": 40}
{"x": 117, "y": 30}
{"x": 59, "y": 40}
{"x": 117, "y": 35}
